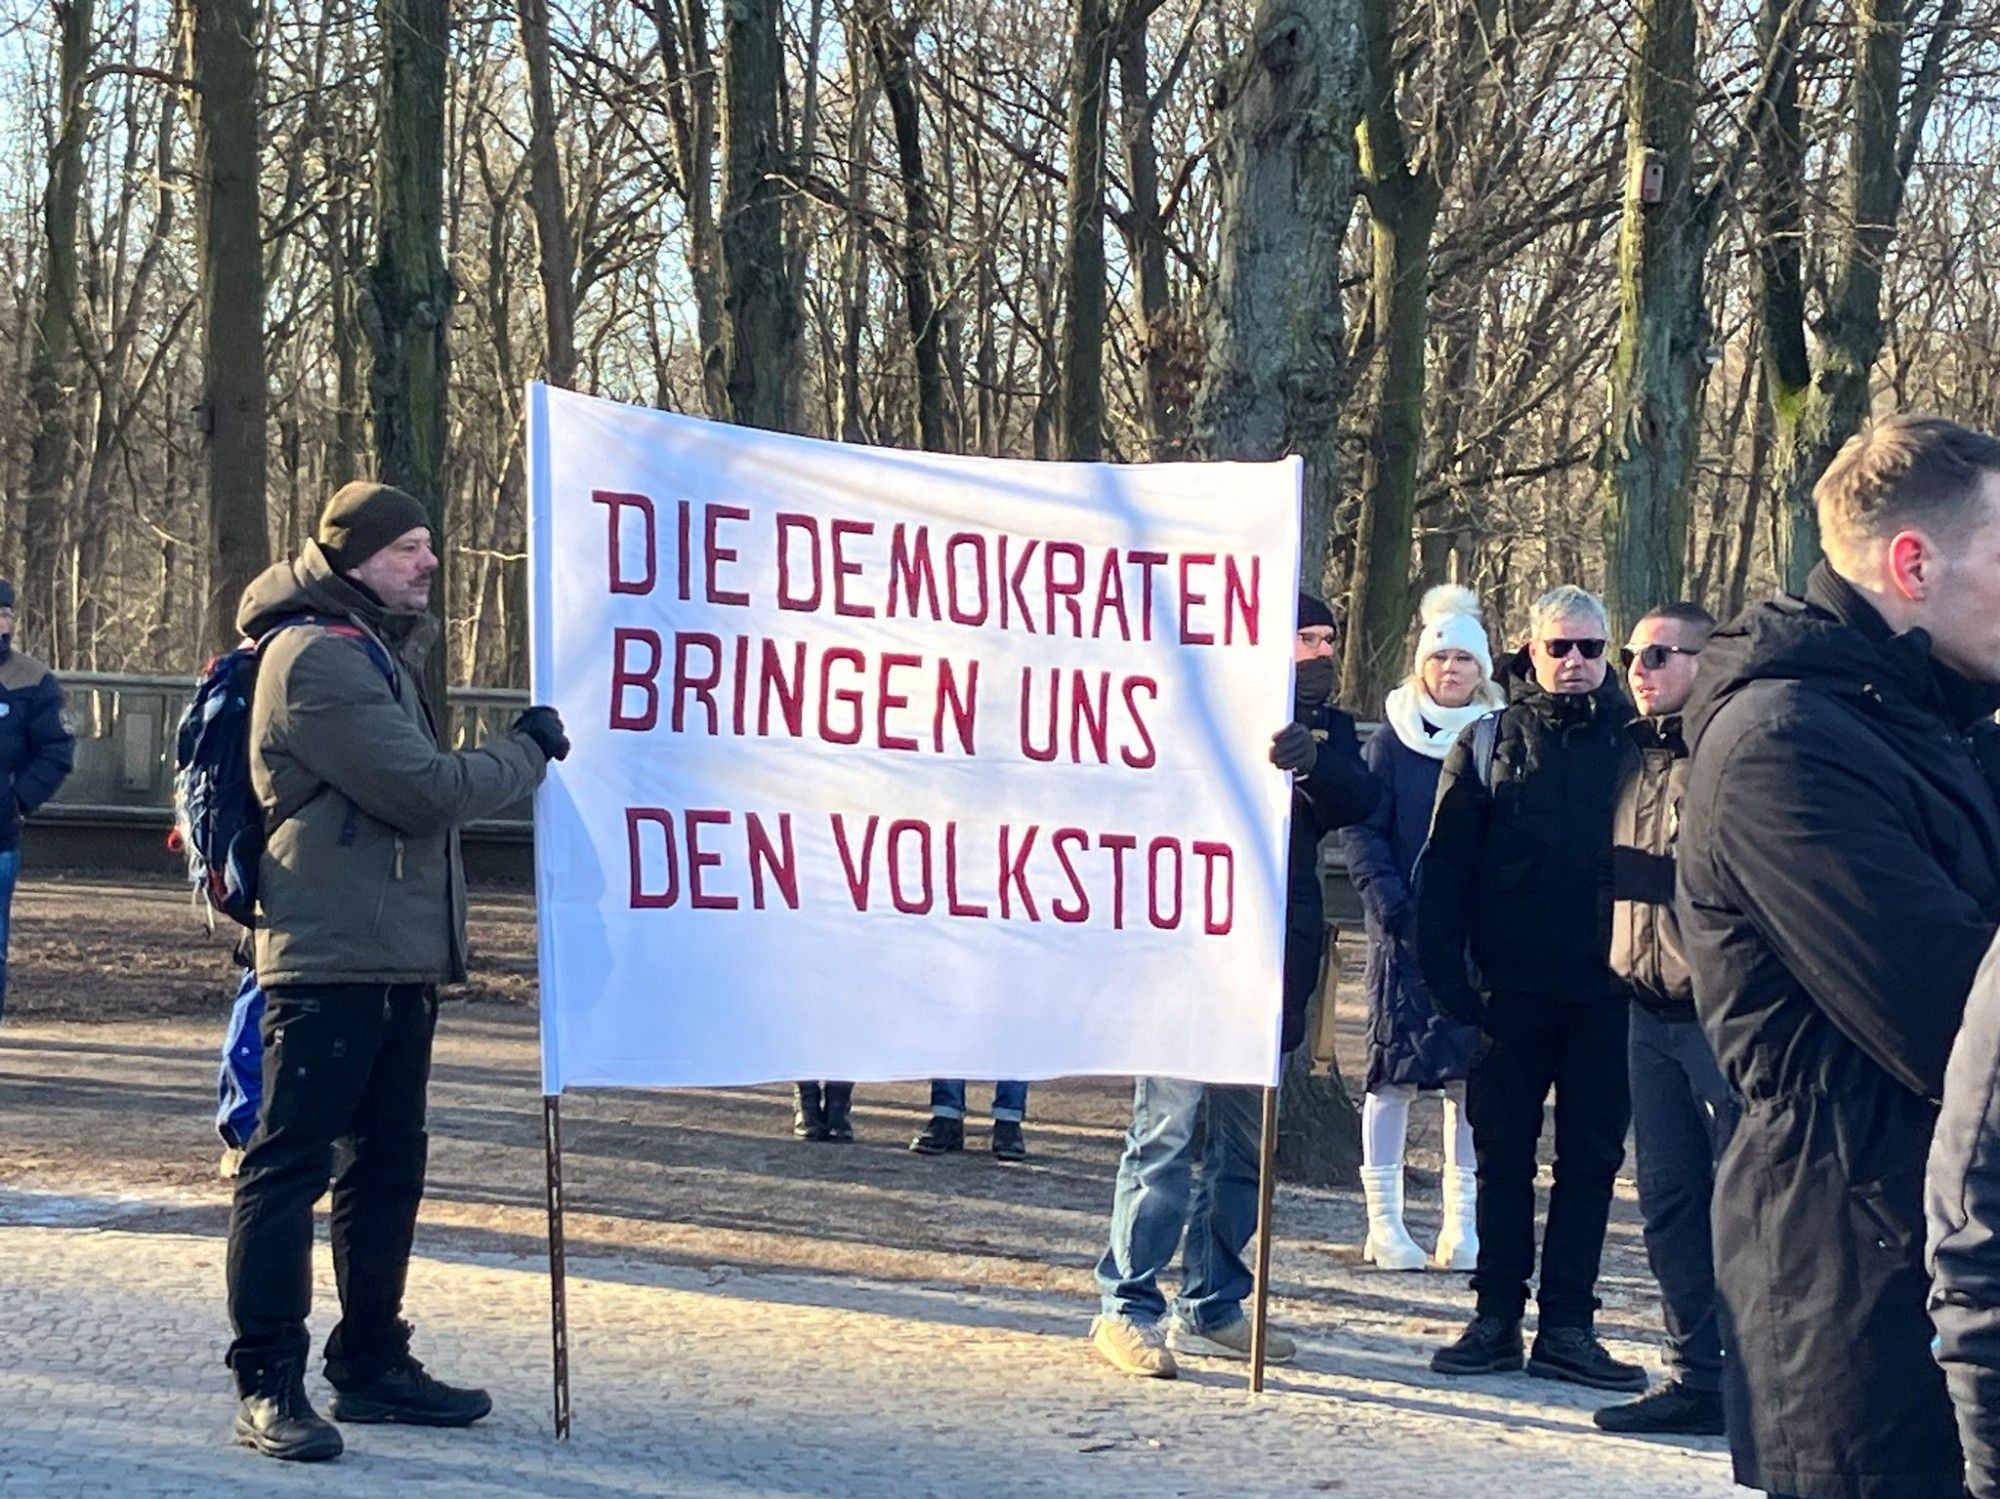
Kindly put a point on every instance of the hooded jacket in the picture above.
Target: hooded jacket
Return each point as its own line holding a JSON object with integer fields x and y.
{"x": 361, "y": 880}
{"x": 1839, "y": 883}
{"x": 1516, "y": 877}
{"x": 1646, "y": 950}
{"x": 37, "y": 749}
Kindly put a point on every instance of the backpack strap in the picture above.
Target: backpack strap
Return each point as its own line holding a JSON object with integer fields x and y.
{"x": 1485, "y": 746}
{"x": 347, "y": 630}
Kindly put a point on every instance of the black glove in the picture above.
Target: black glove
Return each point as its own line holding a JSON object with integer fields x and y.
{"x": 544, "y": 725}
{"x": 1293, "y": 748}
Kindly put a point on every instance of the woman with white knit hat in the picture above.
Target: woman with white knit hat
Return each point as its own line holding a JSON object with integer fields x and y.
{"x": 1411, "y": 1048}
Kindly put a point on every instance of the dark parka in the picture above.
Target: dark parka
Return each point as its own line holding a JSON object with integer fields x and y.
{"x": 1337, "y": 791}
{"x": 37, "y": 749}
{"x": 1517, "y": 879}
{"x": 361, "y": 880}
{"x": 1646, "y": 951}
{"x": 1839, "y": 885}
{"x": 1962, "y": 1203}
{"x": 1409, "y": 1042}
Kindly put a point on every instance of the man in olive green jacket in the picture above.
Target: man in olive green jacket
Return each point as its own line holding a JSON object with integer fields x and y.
{"x": 360, "y": 915}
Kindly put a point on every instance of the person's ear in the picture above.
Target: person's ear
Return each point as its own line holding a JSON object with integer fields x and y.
{"x": 1913, "y": 565}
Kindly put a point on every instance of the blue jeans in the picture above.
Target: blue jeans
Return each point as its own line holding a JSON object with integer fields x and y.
{"x": 1010, "y": 1100}
{"x": 1153, "y": 1206}
{"x": 10, "y": 869}
{"x": 1682, "y": 1115}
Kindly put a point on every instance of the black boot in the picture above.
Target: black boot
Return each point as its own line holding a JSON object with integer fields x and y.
{"x": 839, "y": 1126}
{"x": 1009, "y": 1144}
{"x": 1489, "y": 1345}
{"x": 808, "y": 1112}
{"x": 1574, "y": 1355}
{"x": 404, "y": 1393}
{"x": 1671, "y": 1410}
{"x": 940, "y": 1136}
{"x": 275, "y": 1417}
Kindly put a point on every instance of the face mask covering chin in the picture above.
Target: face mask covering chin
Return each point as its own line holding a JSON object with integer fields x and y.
{"x": 1315, "y": 681}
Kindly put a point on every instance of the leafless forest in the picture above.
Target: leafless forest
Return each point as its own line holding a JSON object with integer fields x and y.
{"x": 1542, "y": 289}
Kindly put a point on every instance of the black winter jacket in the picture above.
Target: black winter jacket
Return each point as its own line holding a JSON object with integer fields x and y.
{"x": 1962, "y": 1204}
{"x": 37, "y": 749}
{"x": 1517, "y": 879}
{"x": 1839, "y": 886}
{"x": 1645, "y": 933}
{"x": 1336, "y": 792}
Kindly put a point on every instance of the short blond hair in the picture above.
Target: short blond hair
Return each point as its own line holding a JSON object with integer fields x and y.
{"x": 1902, "y": 472}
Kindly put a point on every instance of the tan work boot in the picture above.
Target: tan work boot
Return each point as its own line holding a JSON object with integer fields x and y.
{"x": 1133, "y": 1347}
{"x": 1231, "y": 1340}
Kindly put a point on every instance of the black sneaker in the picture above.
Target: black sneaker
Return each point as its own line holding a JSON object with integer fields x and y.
{"x": 940, "y": 1136}
{"x": 275, "y": 1417}
{"x": 1671, "y": 1410}
{"x": 1009, "y": 1144}
{"x": 1573, "y": 1354}
{"x": 404, "y": 1393}
{"x": 1489, "y": 1345}
{"x": 839, "y": 1118}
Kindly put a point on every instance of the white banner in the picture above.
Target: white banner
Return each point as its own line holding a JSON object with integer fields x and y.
{"x": 897, "y": 765}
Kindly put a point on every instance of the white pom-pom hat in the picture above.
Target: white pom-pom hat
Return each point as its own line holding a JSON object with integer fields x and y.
{"x": 1452, "y": 622}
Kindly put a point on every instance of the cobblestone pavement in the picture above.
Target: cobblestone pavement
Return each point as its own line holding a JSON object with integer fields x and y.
{"x": 721, "y": 1382}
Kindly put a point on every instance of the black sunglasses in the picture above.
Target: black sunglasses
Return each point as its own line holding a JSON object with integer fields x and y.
{"x": 1655, "y": 656}
{"x": 1590, "y": 650}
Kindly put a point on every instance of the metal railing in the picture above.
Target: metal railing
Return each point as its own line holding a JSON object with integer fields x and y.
{"x": 124, "y": 725}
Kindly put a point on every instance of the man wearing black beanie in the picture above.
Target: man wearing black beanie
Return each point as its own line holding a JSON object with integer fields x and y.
{"x": 360, "y": 916}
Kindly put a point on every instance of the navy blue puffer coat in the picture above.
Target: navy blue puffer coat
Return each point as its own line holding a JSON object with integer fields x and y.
{"x": 1409, "y": 1042}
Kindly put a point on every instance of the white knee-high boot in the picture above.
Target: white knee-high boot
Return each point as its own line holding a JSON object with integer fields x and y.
{"x": 1458, "y": 1236}
{"x": 1389, "y": 1245}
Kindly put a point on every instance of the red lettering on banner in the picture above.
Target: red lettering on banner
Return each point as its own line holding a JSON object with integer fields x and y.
{"x": 1110, "y": 598}
{"x": 700, "y": 858}
{"x": 1146, "y": 561}
{"x": 857, "y": 875}
{"x": 952, "y": 903}
{"x": 1068, "y": 590}
{"x": 1210, "y": 854}
{"x": 1165, "y": 923}
{"x": 965, "y": 616}
{"x": 1015, "y": 578}
{"x": 890, "y": 701}
{"x": 843, "y": 569}
{"x": 909, "y": 905}
{"x": 1090, "y": 717}
{"x": 1081, "y": 910}
{"x": 1014, "y": 872}
{"x": 615, "y": 503}
{"x": 623, "y": 677}
{"x": 684, "y": 555}
{"x": 910, "y": 573}
{"x": 1239, "y": 602}
{"x": 642, "y": 898}
{"x": 1190, "y": 600}
{"x": 1120, "y": 845}
{"x": 714, "y": 553}
{"x": 780, "y": 860}
{"x": 962, "y": 704}
{"x": 699, "y": 686}
{"x": 791, "y": 694}
{"x": 847, "y": 696}
{"x": 1151, "y": 756}
{"x": 788, "y": 598}
{"x": 1043, "y": 753}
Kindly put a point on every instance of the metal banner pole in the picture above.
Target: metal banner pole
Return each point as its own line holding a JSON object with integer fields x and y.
{"x": 1267, "y": 1172}
{"x": 558, "y": 1268}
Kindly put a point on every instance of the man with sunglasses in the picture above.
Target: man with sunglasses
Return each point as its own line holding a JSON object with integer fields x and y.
{"x": 1514, "y": 932}
{"x": 1682, "y": 1110}
{"x": 1839, "y": 884}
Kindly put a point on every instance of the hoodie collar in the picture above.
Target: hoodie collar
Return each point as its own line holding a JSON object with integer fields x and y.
{"x": 1913, "y": 671}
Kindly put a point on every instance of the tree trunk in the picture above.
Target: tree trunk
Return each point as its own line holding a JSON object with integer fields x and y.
{"x": 760, "y": 306}
{"x": 53, "y": 384}
{"x": 690, "y": 69}
{"x": 548, "y": 202}
{"x": 1276, "y": 371}
{"x": 410, "y": 291}
{"x": 854, "y": 253}
{"x": 893, "y": 44}
{"x": 1082, "y": 355}
{"x": 224, "y": 55}
{"x": 1661, "y": 362}
{"x": 1164, "y": 387}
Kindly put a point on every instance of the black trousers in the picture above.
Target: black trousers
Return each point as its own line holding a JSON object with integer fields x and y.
{"x": 346, "y": 1068}
{"x": 1534, "y": 1045}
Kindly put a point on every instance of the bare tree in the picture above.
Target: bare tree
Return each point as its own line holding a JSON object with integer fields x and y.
{"x": 760, "y": 305}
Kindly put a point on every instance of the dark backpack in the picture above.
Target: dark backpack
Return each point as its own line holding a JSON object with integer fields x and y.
{"x": 218, "y": 821}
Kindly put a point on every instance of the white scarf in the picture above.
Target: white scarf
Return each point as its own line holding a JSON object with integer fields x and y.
{"x": 1425, "y": 727}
